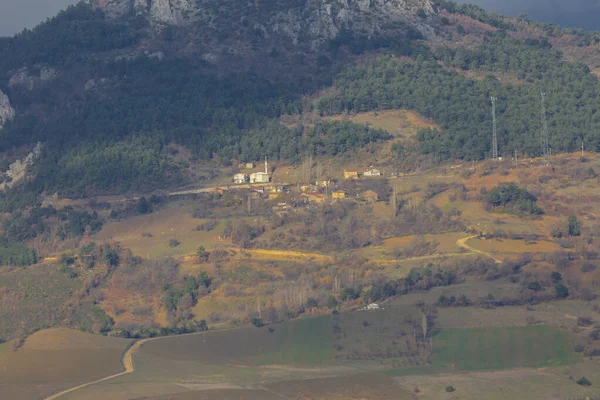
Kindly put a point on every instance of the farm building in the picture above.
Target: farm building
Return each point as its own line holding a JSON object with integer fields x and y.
{"x": 314, "y": 197}
{"x": 240, "y": 178}
{"x": 338, "y": 194}
{"x": 308, "y": 188}
{"x": 323, "y": 183}
{"x": 259, "y": 177}
{"x": 372, "y": 172}
{"x": 350, "y": 174}
{"x": 250, "y": 165}
{"x": 370, "y": 196}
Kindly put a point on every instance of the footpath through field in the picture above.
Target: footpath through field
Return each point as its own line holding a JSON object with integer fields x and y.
{"x": 463, "y": 243}
{"x": 127, "y": 363}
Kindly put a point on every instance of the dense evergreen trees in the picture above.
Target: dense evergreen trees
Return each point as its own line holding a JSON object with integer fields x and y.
{"x": 461, "y": 105}
{"x": 116, "y": 138}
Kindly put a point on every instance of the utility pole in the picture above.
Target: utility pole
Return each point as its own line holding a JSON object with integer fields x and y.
{"x": 494, "y": 135}
{"x": 582, "y": 148}
{"x": 545, "y": 148}
{"x": 394, "y": 202}
{"x": 516, "y": 159}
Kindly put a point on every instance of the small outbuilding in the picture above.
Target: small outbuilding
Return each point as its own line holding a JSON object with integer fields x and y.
{"x": 372, "y": 173}
{"x": 350, "y": 174}
{"x": 370, "y": 196}
{"x": 259, "y": 177}
{"x": 240, "y": 178}
{"x": 338, "y": 195}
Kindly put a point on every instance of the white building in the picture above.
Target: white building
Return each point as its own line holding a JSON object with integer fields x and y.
{"x": 373, "y": 306}
{"x": 259, "y": 177}
{"x": 240, "y": 178}
{"x": 372, "y": 172}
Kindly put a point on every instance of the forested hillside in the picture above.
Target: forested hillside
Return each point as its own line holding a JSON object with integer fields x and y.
{"x": 122, "y": 90}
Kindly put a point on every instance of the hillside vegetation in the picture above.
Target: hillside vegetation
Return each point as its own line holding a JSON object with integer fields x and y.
{"x": 115, "y": 134}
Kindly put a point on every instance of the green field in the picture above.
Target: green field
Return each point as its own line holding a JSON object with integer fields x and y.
{"x": 306, "y": 342}
{"x": 502, "y": 348}
{"x": 488, "y": 349}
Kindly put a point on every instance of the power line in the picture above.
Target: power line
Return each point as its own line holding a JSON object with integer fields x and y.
{"x": 545, "y": 147}
{"x": 494, "y": 134}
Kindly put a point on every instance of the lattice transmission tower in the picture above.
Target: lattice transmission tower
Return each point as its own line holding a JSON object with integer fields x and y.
{"x": 545, "y": 146}
{"x": 494, "y": 133}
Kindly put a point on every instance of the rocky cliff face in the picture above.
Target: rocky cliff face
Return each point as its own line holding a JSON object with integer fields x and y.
{"x": 326, "y": 18}
{"x": 6, "y": 111}
{"x": 169, "y": 12}
{"x": 19, "y": 169}
{"x": 314, "y": 21}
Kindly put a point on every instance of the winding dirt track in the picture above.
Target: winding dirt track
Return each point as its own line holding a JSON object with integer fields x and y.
{"x": 463, "y": 243}
{"x": 128, "y": 356}
{"x": 127, "y": 363}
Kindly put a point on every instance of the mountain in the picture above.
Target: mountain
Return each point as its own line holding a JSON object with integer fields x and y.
{"x": 300, "y": 21}
{"x": 112, "y": 89}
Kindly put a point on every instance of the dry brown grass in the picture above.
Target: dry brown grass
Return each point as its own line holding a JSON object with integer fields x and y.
{"x": 173, "y": 222}
{"x": 400, "y": 123}
{"x": 54, "y": 359}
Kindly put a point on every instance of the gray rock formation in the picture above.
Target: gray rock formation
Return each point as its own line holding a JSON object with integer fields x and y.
{"x": 19, "y": 169}
{"x": 174, "y": 12}
{"x": 114, "y": 8}
{"x": 322, "y": 20}
{"x": 316, "y": 20}
{"x": 24, "y": 79}
{"x": 141, "y": 7}
{"x": 6, "y": 111}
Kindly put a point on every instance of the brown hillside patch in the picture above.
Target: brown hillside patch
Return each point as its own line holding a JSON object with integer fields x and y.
{"x": 513, "y": 246}
{"x": 400, "y": 123}
{"x": 503, "y": 77}
{"x": 56, "y": 359}
{"x": 174, "y": 222}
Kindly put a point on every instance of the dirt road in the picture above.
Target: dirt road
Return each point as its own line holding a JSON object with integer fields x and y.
{"x": 127, "y": 363}
{"x": 463, "y": 243}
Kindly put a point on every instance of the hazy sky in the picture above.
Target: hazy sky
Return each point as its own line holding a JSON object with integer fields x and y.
{"x": 18, "y": 14}
{"x": 572, "y": 13}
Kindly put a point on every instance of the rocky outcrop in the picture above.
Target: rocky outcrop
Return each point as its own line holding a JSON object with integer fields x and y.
{"x": 24, "y": 79}
{"x": 114, "y": 8}
{"x": 313, "y": 20}
{"x": 167, "y": 12}
{"x": 322, "y": 20}
{"x": 174, "y": 12}
{"x": 19, "y": 169}
{"x": 6, "y": 111}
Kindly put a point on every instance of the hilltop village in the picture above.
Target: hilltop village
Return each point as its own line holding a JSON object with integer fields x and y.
{"x": 298, "y": 190}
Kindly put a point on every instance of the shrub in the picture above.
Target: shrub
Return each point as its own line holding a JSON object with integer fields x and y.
{"x": 332, "y": 302}
{"x": 579, "y": 348}
{"x": 450, "y": 389}
{"x": 174, "y": 243}
{"x": 349, "y": 294}
{"x": 587, "y": 267}
{"x": 583, "y": 381}
{"x": 257, "y": 322}
{"x": 562, "y": 292}
{"x": 143, "y": 206}
{"x": 574, "y": 226}
{"x": 535, "y": 286}
{"x": 585, "y": 321}
{"x": 311, "y": 302}
{"x": 556, "y": 276}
